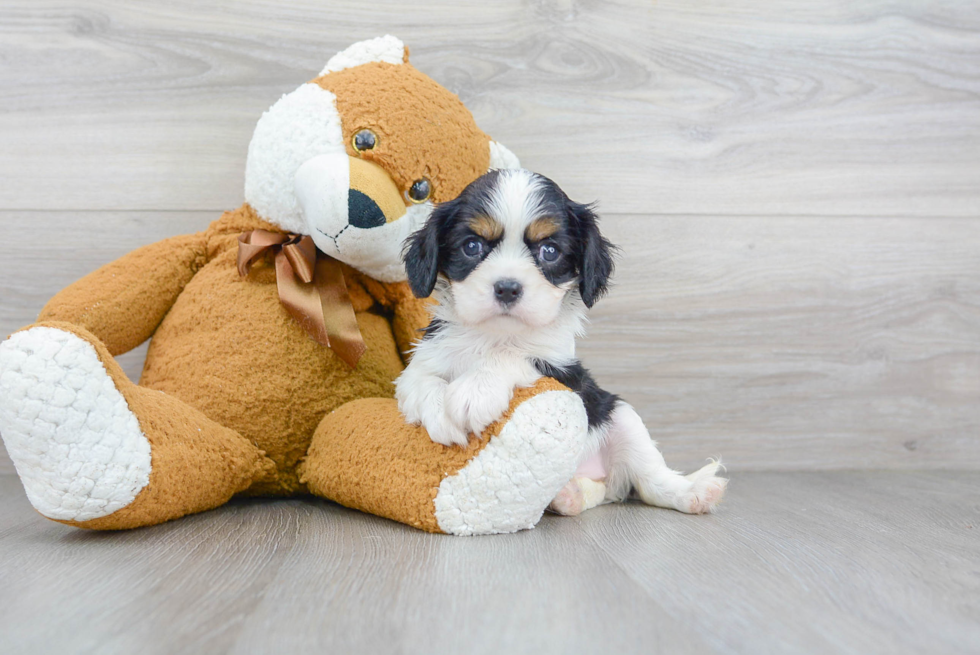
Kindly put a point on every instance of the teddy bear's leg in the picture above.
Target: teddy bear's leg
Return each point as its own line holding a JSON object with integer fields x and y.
{"x": 96, "y": 451}
{"x": 365, "y": 456}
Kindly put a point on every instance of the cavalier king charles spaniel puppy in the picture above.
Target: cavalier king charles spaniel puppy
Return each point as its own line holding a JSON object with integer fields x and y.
{"x": 514, "y": 264}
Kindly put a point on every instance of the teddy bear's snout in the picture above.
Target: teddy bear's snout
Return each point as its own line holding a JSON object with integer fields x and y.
{"x": 373, "y": 199}
{"x": 337, "y": 191}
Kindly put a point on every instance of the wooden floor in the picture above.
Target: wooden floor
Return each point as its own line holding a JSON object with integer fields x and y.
{"x": 795, "y": 186}
{"x": 858, "y": 562}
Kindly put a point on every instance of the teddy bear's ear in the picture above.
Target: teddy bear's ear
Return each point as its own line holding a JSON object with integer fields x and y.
{"x": 501, "y": 157}
{"x": 385, "y": 48}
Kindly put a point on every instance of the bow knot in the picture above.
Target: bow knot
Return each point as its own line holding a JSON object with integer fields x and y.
{"x": 311, "y": 288}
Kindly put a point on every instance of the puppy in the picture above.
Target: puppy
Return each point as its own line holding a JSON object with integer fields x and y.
{"x": 514, "y": 264}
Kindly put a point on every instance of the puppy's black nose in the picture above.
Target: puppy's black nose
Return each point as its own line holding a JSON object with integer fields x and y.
{"x": 507, "y": 292}
{"x": 362, "y": 211}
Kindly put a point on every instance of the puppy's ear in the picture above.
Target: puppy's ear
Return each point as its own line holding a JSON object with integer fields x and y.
{"x": 421, "y": 252}
{"x": 596, "y": 263}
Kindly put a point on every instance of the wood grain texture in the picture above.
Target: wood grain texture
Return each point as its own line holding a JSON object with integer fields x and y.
{"x": 796, "y": 187}
{"x": 802, "y": 344}
{"x": 813, "y": 343}
{"x": 817, "y": 563}
{"x": 754, "y": 329}
{"x": 783, "y": 107}
{"x": 60, "y": 247}
{"x": 841, "y": 563}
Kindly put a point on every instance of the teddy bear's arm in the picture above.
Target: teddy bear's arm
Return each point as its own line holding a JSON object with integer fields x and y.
{"x": 123, "y": 302}
{"x": 412, "y": 316}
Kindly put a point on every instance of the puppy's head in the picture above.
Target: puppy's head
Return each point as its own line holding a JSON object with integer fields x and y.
{"x": 510, "y": 249}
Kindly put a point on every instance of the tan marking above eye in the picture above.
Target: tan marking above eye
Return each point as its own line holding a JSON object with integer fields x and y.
{"x": 487, "y": 227}
{"x": 542, "y": 228}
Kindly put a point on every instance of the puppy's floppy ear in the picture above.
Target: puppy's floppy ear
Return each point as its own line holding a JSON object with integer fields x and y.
{"x": 596, "y": 263}
{"x": 421, "y": 257}
{"x": 421, "y": 252}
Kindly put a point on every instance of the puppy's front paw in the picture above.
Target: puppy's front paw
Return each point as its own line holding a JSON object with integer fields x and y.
{"x": 474, "y": 406}
{"x": 442, "y": 431}
{"x": 422, "y": 402}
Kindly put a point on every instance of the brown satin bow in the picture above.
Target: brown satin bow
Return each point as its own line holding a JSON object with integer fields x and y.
{"x": 311, "y": 287}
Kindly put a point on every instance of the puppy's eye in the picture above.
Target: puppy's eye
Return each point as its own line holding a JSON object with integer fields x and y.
{"x": 420, "y": 191}
{"x": 473, "y": 248}
{"x": 364, "y": 140}
{"x": 548, "y": 253}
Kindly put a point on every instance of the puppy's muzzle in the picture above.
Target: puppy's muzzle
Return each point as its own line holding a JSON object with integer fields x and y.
{"x": 507, "y": 291}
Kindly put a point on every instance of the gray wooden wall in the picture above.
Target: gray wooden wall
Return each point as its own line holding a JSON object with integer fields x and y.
{"x": 795, "y": 185}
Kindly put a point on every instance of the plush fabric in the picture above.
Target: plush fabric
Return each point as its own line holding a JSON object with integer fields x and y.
{"x": 401, "y": 474}
{"x": 438, "y": 149}
{"x": 235, "y": 396}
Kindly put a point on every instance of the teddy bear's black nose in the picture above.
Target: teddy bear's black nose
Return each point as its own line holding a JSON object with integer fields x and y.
{"x": 362, "y": 211}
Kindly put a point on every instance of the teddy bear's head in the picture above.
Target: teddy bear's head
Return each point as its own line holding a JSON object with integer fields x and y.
{"x": 357, "y": 157}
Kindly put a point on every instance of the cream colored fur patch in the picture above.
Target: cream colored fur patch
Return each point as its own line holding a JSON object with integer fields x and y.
{"x": 77, "y": 447}
{"x": 509, "y": 484}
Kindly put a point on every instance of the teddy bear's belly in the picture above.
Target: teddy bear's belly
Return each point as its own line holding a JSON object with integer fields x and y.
{"x": 229, "y": 349}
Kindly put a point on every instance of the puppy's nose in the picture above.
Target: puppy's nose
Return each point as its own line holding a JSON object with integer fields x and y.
{"x": 507, "y": 292}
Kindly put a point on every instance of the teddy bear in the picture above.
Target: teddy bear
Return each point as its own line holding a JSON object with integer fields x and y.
{"x": 276, "y": 334}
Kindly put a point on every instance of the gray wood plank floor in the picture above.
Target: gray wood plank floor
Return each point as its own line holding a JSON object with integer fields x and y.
{"x": 777, "y": 108}
{"x": 834, "y": 562}
{"x": 812, "y": 343}
{"x": 796, "y": 186}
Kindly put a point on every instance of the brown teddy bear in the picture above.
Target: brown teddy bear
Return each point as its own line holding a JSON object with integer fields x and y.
{"x": 277, "y": 334}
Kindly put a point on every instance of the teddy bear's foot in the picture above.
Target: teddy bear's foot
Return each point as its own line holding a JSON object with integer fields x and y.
{"x": 77, "y": 446}
{"x": 510, "y": 483}
{"x": 96, "y": 451}
{"x": 365, "y": 455}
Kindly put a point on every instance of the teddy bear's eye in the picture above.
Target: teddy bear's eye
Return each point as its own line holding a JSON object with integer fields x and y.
{"x": 364, "y": 140}
{"x": 420, "y": 191}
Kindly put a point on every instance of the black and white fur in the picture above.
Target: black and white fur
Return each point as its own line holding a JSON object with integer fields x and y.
{"x": 514, "y": 264}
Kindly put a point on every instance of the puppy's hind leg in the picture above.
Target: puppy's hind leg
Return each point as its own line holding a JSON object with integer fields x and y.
{"x": 578, "y": 495}
{"x": 635, "y": 461}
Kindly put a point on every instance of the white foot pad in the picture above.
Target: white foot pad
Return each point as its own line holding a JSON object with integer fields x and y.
{"x": 508, "y": 485}
{"x": 578, "y": 495}
{"x": 77, "y": 447}
{"x": 706, "y": 491}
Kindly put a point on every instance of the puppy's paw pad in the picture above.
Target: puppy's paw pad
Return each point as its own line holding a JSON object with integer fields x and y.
{"x": 707, "y": 490}
{"x": 570, "y": 501}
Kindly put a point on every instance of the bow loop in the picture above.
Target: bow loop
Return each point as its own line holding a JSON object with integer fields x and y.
{"x": 311, "y": 288}
{"x": 301, "y": 253}
{"x": 255, "y": 244}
